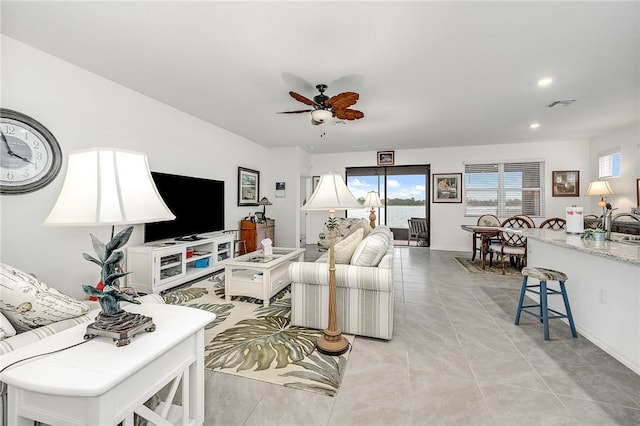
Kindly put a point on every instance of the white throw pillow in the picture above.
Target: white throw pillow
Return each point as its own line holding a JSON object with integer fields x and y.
{"x": 29, "y": 303}
{"x": 364, "y": 225}
{"x": 370, "y": 250}
{"x": 6, "y": 329}
{"x": 346, "y": 247}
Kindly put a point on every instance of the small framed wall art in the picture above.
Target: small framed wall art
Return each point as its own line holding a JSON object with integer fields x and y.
{"x": 280, "y": 190}
{"x": 386, "y": 158}
{"x": 447, "y": 187}
{"x": 566, "y": 183}
{"x": 248, "y": 187}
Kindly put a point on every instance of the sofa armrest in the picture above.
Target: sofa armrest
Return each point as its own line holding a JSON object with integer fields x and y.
{"x": 350, "y": 276}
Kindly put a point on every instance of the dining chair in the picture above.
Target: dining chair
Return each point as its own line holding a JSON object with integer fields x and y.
{"x": 418, "y": 231}
{"x": 512, "y": 245}
{"x": 239, "y": 245}
{"x": 591, "y": 221}
{"x": 554, "y": 223}
{"x": 484, "y": 220}
{"x": 532, "y": 223}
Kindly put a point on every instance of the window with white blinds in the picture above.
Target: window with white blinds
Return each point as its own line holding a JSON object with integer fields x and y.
{"x": 609, "y": 165}
{"x": 504, "y": 189}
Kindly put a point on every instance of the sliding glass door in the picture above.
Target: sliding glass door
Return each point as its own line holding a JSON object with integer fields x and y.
{"x": 402, "y": 189}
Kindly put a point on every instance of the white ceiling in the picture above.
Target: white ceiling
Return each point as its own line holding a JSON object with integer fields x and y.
{"x": 429, "y": 74}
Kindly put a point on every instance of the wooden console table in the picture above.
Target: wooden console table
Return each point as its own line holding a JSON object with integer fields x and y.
{"x": 98, "y": 383}
{"x": 254, "y": 233}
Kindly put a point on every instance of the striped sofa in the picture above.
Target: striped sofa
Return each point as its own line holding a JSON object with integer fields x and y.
{"x": 364, "y": 294}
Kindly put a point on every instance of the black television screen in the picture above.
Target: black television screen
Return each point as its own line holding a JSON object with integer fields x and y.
{"x": 197, "y": 203}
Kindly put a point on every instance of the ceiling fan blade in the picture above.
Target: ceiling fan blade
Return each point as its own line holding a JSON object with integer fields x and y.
{"x": 294, "y": 112}
{"x": 303, "y": 99}
{"x": 343, "y": 100}
{"x": 349, "y": 114}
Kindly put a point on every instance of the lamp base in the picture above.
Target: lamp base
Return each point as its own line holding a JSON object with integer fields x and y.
{"x": 372, "y": 218}
{"x": 332, "y": 343}
{"x": 121, "y": 327}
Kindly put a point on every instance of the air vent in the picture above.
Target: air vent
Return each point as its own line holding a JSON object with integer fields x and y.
{"x": 564, "y": 102}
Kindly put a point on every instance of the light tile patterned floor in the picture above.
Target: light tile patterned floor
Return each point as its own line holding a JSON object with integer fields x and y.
{"x": 456, "y": 358}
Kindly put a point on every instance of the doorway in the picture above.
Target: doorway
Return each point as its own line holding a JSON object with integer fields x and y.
{"x": 404, "y": 191}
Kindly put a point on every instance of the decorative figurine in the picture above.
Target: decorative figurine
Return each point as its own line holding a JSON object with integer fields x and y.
{"x": 113, "y": 321}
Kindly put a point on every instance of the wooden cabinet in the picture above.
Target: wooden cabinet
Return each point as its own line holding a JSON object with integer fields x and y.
{"x": 254, "y": 233}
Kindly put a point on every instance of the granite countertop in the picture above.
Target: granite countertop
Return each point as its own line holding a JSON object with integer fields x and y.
{"x": 613, "y": 249}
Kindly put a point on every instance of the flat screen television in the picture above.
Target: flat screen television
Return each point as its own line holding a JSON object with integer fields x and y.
{"x": 197, "y": 203}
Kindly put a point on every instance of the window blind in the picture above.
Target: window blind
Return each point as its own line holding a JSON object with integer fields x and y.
{"x": 504, "y": 189}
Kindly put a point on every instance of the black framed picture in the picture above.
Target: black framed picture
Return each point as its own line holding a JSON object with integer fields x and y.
{"x": 248, "y": 187}
{"x": 386, "y": 158}
{"x": 566, "y": 183}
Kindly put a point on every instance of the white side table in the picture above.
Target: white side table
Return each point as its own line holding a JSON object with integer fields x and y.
{"x": 98, "y": 383}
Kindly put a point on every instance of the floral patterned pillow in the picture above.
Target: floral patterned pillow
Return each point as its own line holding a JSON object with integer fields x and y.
{"x": 6, "y": 329}
{"x": 29, "y": 303}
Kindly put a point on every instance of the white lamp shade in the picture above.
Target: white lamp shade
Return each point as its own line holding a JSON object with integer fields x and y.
{"x": 599, "y": 187}
{"x": 321, "y": 115}
{"x": 372, "y": 200}
{"x": 104, "y": 186}
{"x": 331, "y": 194}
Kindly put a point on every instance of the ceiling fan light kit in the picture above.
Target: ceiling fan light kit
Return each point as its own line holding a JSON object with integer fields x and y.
{"x": 321, "y": 115}
{"x": 325, "y": 108}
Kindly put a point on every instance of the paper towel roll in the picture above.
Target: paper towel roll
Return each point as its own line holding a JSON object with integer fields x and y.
{"x": 575, "y": 220}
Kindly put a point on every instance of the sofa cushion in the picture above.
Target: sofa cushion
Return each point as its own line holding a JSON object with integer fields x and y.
{"x": 346, "y": 246}
{"x": 29, "y": 303}
{"x": 371, "y": 250}
{"x": 6, "y": 329}
{"x": 361, "y": 224}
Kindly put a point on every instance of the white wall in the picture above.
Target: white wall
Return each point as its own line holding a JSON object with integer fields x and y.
{"x": 84, "y": 110}
{"x": 447, "y": 218}
{"x": 286, "y": 165}
{"x": 625, "y": 140}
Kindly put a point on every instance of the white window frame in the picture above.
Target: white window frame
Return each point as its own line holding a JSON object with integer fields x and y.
{"x": 609, "y": 165}
{"x": 502, "y": 209}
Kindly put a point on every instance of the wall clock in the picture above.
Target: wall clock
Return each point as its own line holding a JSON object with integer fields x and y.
{"x": 30, "y": 156}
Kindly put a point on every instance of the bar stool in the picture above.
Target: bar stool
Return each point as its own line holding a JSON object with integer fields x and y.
{"x": 543, "y": 275}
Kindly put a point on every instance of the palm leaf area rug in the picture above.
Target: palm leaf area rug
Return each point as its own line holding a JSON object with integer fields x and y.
{"x": 476, "y": 267}
{"x": 249, "y": 340}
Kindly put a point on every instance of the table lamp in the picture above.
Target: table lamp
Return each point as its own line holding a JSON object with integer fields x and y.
{"x": 372, "y": 200}
{"x": 601, "y": 188}
{"x": 105, "y": 186}
{"x": 332, "y": 194}
{"x": 264, "y": 202}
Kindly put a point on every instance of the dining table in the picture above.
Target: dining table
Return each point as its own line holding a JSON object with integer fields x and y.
{"x": 486, "y": 233}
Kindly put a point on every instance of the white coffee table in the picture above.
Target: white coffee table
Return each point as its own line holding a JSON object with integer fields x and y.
{"x": 260, "y": 276}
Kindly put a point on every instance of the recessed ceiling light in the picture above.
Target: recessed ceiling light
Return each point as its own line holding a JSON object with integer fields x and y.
{"x": 534, "y": 125}
{"x": 543, "y": 82}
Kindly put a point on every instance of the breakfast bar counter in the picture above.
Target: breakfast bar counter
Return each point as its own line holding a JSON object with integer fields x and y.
{"x": 603, "y": 286}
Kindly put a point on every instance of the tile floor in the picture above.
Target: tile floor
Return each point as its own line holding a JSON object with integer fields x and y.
{"x": 456, "y": 358}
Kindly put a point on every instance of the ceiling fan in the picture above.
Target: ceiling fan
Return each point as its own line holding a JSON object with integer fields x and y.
{"x": 325, "y": 107}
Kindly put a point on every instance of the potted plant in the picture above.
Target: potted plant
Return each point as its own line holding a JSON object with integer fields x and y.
{"x": 595, "y": 234}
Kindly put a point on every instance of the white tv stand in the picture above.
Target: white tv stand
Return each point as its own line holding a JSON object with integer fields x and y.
{"x": 161, "y": 265}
